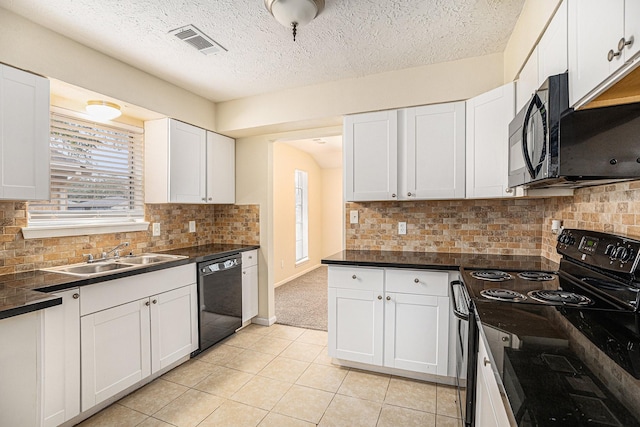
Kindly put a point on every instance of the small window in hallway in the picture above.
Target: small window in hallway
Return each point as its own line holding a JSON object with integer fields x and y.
{"x": 302, "y": 216}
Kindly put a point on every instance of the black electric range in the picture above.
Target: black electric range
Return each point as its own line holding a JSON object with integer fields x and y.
{"x": 566, "y": 343}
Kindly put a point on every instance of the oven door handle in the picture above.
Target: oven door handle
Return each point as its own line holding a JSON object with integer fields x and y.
{"x": 454, "y": 302}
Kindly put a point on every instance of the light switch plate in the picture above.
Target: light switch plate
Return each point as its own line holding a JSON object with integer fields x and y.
{"x": 402, "y": 228}
{"x": 353, "y": 217}
{"x": 156, "y": 229}
{"x": 192, "y": 226}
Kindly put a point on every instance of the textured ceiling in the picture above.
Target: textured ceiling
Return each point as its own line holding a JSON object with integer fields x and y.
{"x": 350, "y": 38}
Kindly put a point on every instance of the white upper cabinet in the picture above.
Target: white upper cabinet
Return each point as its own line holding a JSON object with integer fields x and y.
{"x": 24, "y": 135}
{"x": 434, "y": 162}
{"x": 603, "y": 36}
{"x": 488, "y": 117}
{"x": 187, "y": 164}
{"x": 552, "y": 48}
{"x": 370, "y": 154}
{"x": 527, "y": 81}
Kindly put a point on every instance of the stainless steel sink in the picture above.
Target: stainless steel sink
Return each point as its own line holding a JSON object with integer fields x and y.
{"x": 103, "y": 268}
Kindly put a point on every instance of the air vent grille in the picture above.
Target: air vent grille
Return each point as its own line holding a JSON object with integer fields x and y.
{"x": 191, "y": 35}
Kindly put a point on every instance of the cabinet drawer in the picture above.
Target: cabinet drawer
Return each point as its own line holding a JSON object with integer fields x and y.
{"x": 417, "y": 282}
{"x": 249, "y": 258}
{"x": 356, "y": 278}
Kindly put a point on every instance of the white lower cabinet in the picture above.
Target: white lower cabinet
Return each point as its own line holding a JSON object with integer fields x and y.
{"x": 389, "y": 317}
{"x": 249, "y": 285}
{"x": 61, "y": 361}
{"x": 490, "y": 410}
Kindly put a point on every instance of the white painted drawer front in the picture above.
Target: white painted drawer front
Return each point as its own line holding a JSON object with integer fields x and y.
{"x": 249, "y": 258}
{"x": 121, "y": 291}
{"x": 356, "y": 278}
{"x": 417, "y": 282}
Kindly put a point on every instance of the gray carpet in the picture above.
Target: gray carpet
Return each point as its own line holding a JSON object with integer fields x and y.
{"x": 303, "y": 301}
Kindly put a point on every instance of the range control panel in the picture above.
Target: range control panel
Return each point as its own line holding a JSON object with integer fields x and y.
{"x": 608, "y": 251}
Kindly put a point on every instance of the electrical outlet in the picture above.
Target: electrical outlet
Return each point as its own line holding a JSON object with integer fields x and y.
{"x": 281, "y": 263}
{"x": 402, "y": 228}
{"x": 156, "y": 229}
{"x": 192, "y": 226}
{"x": 353, "y": 217}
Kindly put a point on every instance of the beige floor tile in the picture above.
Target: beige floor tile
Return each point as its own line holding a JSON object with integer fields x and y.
{"x": 190, "y": 373}
{"x": 278, "y": 420}
{"x": 283, "y": 369}
{"x": 261, "y": 392}
{"x": 270, "y": 345}
{"x": 443, "y": 421}
{"x": 352, "y": 412}
{"x": 323, "y": 358}
{"x": 153, "y": 422}
{"x": 302, "y": 351}
{"x": 152, "y": 397}
{"x": 114, "y": 415}
{"x": 189, "y": 409}
{"x": 365, "y": 385}
{"x": 219, "y": 354}
{"x": 327, "y": 378}
{"x": 250, "y": 361}
{"x": 242, "y": 339}
{"x": 223, "y": 382}
{"x": 447, "y": 401}
{"x": 311, "y": 336}
{"x": 394, "y": 416}
{"x": 258, "y": 329}
{"x": 304, "y": 403}
{"x": 412, "y": 394}
{"x": 286, "y": 332}
{"x": 234, "y": 414}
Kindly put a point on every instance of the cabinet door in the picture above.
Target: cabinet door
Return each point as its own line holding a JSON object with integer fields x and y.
{"x": 527, "y": 81}
{"x": 24, "y": 135}
{"x": 370, "y": 153}
{"x": 249, "y": 292}
{"x": 488, "y": 117}
{"x": 355, "y": 325}
{"x": 115, "y": 352}
{"x": 594, "y": 28}
{"x": 631, "y": 28}
{"x": 490, "y": 410}
{"x": 174, "y": 326}
{"x": 416, "y": 333}
{"x": 434, "y": 159}
{"x": 552, "y": 48}
{"x": 221, "y": 168}
{"x": 187, "y": 163}
{"x": 61, "y": 371}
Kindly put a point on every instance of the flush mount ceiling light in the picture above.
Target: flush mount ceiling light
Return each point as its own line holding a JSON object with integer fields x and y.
{"x": 294, "y": 13}
{"x": 103, "y": 110}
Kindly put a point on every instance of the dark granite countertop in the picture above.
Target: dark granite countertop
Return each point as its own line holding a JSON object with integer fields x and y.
{"x": 439, "y": 260}
{"x": 33, "y": 290}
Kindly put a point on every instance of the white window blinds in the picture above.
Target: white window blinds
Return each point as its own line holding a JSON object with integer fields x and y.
{"x": 96, "y": 172}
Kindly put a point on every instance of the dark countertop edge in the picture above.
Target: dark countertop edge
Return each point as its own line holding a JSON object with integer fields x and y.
{"x": 391, "y": 265}
{"x": 47, "y": 302}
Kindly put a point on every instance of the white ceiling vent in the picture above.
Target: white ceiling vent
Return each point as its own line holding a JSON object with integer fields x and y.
{"x": 196, "y": 38}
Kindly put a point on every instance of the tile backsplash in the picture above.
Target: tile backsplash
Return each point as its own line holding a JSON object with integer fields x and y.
{"x": 214, "y": 224}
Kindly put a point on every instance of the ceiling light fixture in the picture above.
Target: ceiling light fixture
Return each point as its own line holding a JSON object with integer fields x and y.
{"x": 294, "y": 13}
{"x": 103, "y": 110}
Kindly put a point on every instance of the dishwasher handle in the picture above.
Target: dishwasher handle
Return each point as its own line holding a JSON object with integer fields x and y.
{"x": 219, "y": 265}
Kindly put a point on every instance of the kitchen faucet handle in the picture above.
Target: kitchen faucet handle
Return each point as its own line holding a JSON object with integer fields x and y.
{"x": 89, "y": 257}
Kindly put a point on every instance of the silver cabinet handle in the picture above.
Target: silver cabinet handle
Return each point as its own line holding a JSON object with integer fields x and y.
{"x": 409, "y": 194}
{"x": 147, "y": 304}
{"x": 379, "y": 296}
{"x": 622, "y": 43}
{"x": 76, "y": 296}
{"x": 505, "y": 339}
{"x": 155, "y": 301}
{"x": 612, "y": 55}
{"x": 354, "y": 277}
{"x": 393, "y": 195}
{"x": 487, "y": 362}
{"x": 508, "y": 190}
{"x": 388, "y": 298}
{"x": 416, "y": 280}
{"x": 210, "y": 199}
{"x": 244, "y": 272}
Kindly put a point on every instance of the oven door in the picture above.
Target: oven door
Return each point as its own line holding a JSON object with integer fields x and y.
{"x": 465, "y": 345}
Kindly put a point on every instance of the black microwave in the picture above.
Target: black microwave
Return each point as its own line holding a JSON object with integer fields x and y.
{"x": 552, "y": 145}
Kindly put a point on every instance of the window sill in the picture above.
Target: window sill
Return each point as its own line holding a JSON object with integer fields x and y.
{"x": 302, "y": 261}
{"x": 44, "y": 231}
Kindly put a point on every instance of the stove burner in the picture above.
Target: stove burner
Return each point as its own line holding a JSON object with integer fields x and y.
{"x": 503, "y": 295}
{"x": 491, "y": 275}
{"x": 536, "y": 275}
{"x": 560, "y": 298}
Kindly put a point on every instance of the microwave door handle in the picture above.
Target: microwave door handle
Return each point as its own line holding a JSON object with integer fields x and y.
{"x": 525, "y": 126}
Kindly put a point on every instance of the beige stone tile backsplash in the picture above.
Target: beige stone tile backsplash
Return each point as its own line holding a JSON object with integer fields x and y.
{"x": 214, "y": 224}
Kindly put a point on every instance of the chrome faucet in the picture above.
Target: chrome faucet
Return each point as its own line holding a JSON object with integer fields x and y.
{"x": 115, "y": 250}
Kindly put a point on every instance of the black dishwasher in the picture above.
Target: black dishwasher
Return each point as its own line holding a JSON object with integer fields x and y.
{"x": 219, "y": 299}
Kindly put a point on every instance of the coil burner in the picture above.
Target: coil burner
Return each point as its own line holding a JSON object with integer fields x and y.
{"x": 539, "y": 276}
{"x": 560, "y": 297}
{"x": 503, "y": 295}
{"x": 491, "y": 275}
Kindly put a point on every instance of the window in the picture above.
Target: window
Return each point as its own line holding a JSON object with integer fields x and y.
{"x": 96, "y": 174}
{"x": 302, "y": 217}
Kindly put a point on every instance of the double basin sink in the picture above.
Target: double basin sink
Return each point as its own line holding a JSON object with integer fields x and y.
{"x": 114, "y": 265}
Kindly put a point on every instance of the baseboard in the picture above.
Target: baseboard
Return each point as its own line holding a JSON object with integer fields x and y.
{"x": 264, "y": 321}
{"x": 295, "y": 276}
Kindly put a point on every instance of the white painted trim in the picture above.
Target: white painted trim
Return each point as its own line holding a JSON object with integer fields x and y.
{"x": 295, "y": 276}
{"x": 264, "y": 321}
{"x": 395, "y": 371}
{"x": 39, "y": 232}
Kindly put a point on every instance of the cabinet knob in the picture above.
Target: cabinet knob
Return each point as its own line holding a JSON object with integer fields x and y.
{"x": 416, "y": 280}
{"x": 354, "y": 277}
{"x": 204, "y": 199}
{"x": 612, "y": 55}
{"x": 505, "y": 339}
{"x": 508, "y": 190}
{"x": 244, "y": 272}
{"x": 155, "y": 301}
{"x": 622, "y": 43}
{"x": 393, "y": 195}
{"x": 147, "y": 304}
{"x": 388, "y": 298}
{"x": 76, "y": 296}
{"x": 409, "y": 194}
{"x": 210, "y": 199}
{"x": 379, "y": 296}
{"x": 487, "y": 362}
